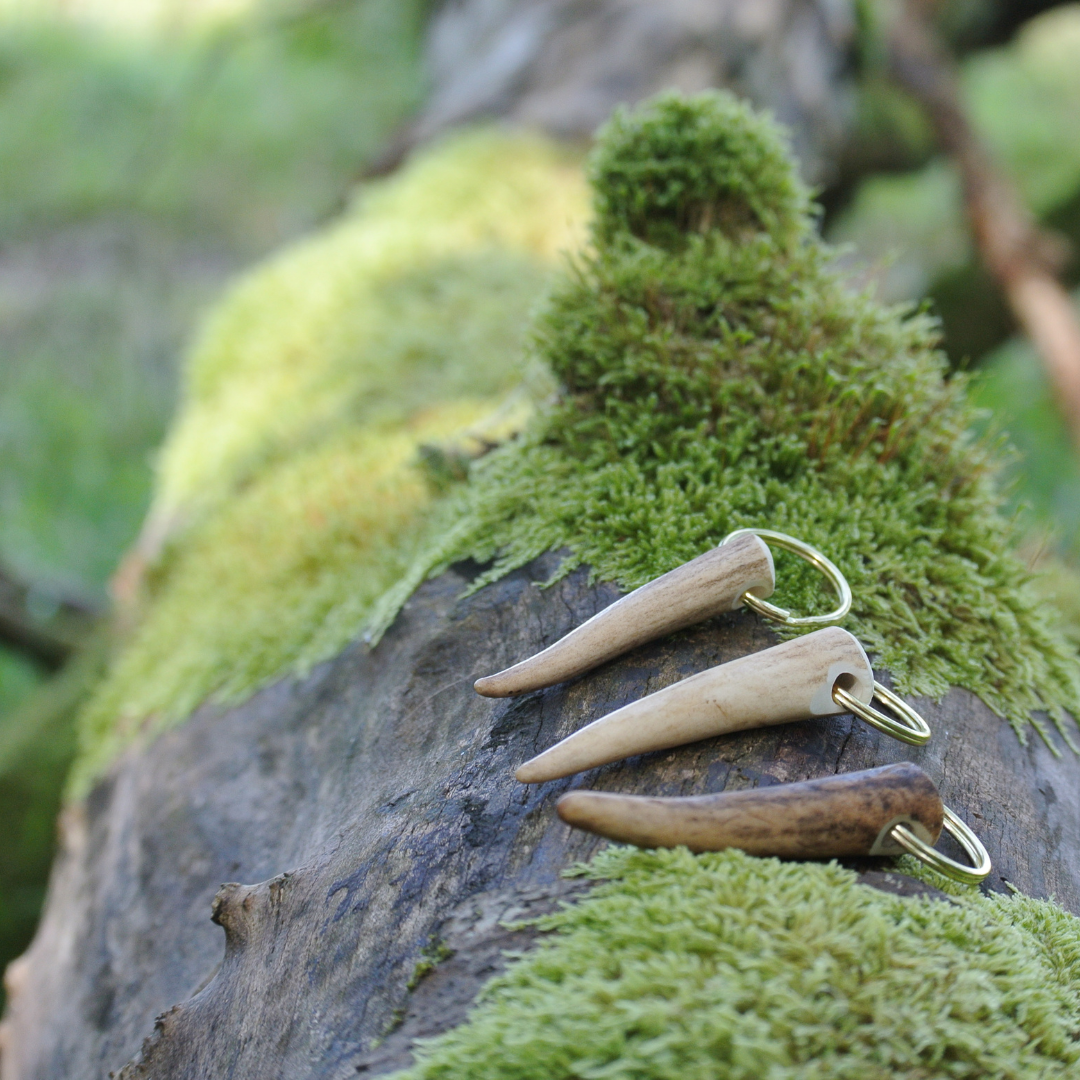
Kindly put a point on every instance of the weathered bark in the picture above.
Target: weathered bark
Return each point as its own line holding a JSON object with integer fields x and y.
{"x": 563, "y": 65}
{"x": 376, "y": 804}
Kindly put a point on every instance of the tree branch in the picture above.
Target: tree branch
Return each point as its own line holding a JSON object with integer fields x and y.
{"x": 1023, "y": 258}
{"x": 49, "y": 642}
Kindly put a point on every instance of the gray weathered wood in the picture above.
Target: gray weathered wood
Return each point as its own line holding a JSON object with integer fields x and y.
{"x": 372, "y": 803}
{"x": 563, "y": 65}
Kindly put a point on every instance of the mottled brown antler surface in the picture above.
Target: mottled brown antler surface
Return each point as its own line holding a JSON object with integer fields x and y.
{"x": 831, "y": 817}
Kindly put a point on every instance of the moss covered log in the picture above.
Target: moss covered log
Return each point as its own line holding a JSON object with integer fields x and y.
{"x": 292, "y": 491}
{"x": 330, "y": 478}
{"x": 714, "y": 372}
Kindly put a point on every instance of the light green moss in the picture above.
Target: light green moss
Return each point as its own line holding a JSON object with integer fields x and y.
{"x": 415, "y": 298}
{"x": 292, "y": 492}
{"x": 683, "y": 967}
{"x": 723, "y": 376}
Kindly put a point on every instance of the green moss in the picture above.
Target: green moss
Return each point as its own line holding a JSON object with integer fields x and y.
{"x": 436, "y": 952}
{"x": 292, "y": 492}
{"x": 665, "y": 174}
{"x": 734, "y": 381}
{"x": 678, "y": 966}
{"x": 414, "y": 299}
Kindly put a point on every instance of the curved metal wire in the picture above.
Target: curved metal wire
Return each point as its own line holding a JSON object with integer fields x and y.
{"x": 911, "y": 728}
{"x": 972, "y": 845}
{"x": 815, "y": 559}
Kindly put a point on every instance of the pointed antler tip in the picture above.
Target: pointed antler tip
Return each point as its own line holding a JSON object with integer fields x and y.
{"x": 489, "y": 686}
{"x": 531, "y": 772}
{"x": 573, "y": 806}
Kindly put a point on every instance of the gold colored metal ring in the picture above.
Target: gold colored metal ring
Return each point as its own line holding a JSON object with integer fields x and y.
{"x": 815, "y": 559}
{"x": 911, "y": 728}
{"x": 972, "y": 845}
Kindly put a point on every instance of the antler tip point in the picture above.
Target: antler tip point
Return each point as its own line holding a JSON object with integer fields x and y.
{"x": 488, "y": 687}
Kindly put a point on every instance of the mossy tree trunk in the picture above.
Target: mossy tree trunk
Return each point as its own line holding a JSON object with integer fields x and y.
{"x": 371, "y": 814}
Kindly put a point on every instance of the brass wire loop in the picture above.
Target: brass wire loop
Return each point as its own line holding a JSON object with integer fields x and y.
{"x": 815, "y": 559}
{"x": 950, "y": 868}
{"x": 911, "y": 728}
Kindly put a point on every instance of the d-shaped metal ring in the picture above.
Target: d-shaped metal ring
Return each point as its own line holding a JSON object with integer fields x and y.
{"x": 911, "y": 728}
{"x": 815, "y": 559}
{"x": 972, "y": 845}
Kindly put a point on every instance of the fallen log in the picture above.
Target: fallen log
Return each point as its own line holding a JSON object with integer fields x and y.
{"x": 371, "y": 812}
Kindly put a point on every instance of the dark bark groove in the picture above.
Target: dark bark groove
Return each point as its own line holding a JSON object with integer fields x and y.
{"x": 376, "y": 804}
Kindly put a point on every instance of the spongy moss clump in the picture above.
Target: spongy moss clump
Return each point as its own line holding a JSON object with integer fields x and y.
{"x": 716, "y": 373}
{"x": 682, "y": 967}
{"x": 291, "y": 492}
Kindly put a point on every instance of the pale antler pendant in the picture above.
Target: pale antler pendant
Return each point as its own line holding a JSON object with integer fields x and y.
{"x": 790, "y": 681}
{"x": 708, "y": 585}
{"x": 835, "y": 817}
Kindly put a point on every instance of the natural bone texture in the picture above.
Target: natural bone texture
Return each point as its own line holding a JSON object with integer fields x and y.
{"x": 708, "y": 585}
{"x": 790, "y": 681}
{"x": 834, "y": 817}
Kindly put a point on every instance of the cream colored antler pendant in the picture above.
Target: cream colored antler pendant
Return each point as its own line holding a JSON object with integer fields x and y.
{"x": 860, "y": 813}
{"x": 822, "y": 674}
{"x": 708, "y": 585}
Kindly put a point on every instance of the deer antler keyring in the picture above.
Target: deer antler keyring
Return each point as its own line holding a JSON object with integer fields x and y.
{"x": 885, "y": 811}
{"x": 738, "y": 571}
{"x": 822, "y": 674}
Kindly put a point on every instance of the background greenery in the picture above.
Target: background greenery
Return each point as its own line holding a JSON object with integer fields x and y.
{"x": 150, "y": 149}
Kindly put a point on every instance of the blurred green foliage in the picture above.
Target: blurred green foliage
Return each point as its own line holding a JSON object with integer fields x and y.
{"x": 909, "y": 231}
{"x": 1012, "y": 384}
{"x": 37, "y": 742}
{"x": 1024, "y": 100}
{"x": 137, "y": 173}
{"x": 250, "y": 132}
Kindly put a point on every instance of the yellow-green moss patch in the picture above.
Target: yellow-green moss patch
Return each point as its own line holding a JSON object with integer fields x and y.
{"x": 417, "y": 297}
{"x": 292, "y": 491}
{"x": 727, "y": 967}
